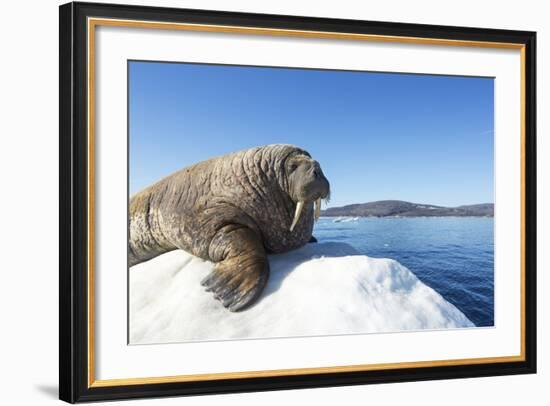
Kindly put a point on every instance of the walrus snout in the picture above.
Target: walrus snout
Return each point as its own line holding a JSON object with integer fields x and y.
{"x": 314, "y": 185}
{"x": 307, "y": 184}
{"x": 321, "y": 186}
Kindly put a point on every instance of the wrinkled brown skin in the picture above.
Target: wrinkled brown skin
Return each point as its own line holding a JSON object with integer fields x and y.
{"x": 231, "y": 210}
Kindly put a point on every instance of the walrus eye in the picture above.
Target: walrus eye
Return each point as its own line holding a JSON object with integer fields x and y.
{"x": 292, "y": 167}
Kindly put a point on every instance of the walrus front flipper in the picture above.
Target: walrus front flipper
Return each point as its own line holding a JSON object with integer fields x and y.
{"x": 241, "y": 270}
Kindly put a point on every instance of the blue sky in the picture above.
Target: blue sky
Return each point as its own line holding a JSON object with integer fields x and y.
{"x": 377, "y": 136}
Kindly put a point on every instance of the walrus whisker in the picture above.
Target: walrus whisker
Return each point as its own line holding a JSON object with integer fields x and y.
{"x": 297, "y": 214}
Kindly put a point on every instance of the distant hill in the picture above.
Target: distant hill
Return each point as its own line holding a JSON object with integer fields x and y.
{"x": 398, "y": 208}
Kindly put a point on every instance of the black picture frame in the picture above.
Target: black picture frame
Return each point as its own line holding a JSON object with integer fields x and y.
{"x": 74, "y": 385}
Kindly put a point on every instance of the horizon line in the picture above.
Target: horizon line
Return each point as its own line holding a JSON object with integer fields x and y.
{"x": 408, "y": 201}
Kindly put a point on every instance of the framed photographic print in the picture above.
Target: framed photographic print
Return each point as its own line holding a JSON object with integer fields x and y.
{"x": 255, "y": 202}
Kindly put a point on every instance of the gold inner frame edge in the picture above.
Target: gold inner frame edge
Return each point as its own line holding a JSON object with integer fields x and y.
{"x": 93, "y": 22}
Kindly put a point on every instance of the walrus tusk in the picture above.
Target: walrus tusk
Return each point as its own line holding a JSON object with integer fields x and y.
{"x": 317, "y": 209}
{"x": 297, "y": 213}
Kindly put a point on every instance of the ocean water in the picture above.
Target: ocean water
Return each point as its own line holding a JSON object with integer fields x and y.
{"x": 452, "y": 255}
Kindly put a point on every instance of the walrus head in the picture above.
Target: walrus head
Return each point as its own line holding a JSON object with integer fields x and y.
{"x": 306, "y": 184}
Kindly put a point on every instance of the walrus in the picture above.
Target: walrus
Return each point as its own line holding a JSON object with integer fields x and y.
{"x": 232, "y": 210}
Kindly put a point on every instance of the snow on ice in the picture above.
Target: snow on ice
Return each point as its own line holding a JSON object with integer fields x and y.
{"x": 320, "y": 289}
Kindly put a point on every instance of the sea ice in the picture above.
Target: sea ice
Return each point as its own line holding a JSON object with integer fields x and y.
{"x": 345, "y": 219}
{"x": 320, "y": 289}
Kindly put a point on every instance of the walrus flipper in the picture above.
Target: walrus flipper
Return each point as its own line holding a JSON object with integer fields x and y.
{"x": 242, "y": 269}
